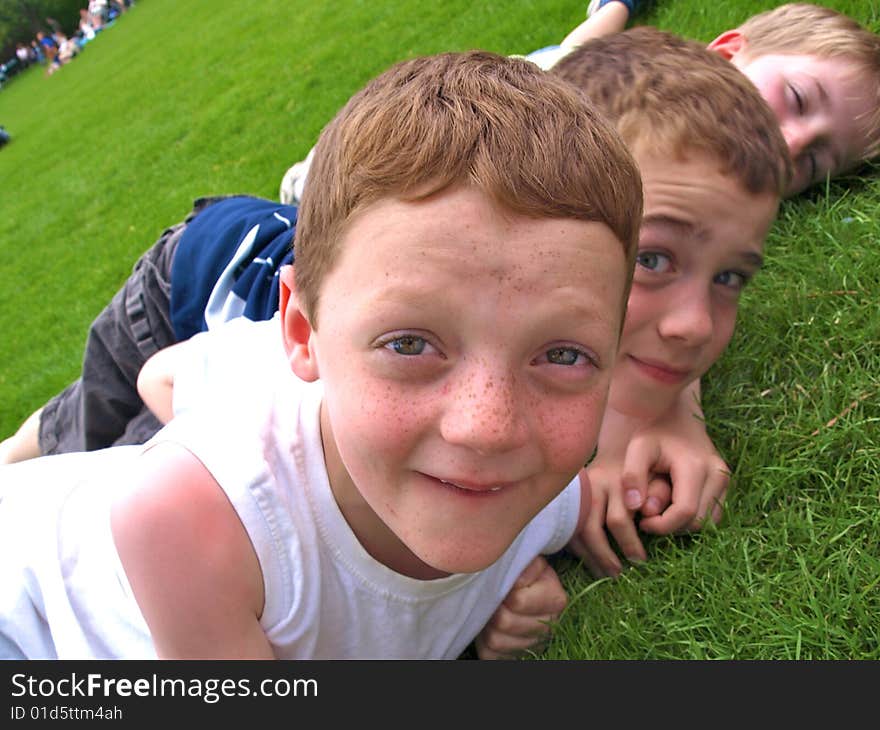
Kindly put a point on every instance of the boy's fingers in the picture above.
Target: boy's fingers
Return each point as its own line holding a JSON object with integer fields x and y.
{"x": 531, "y": 573}
{"x": 622, "y": 526}
{"x": 711, "y": 496}
{"x": 604, "y": 559}
{"x": 494, "y": 643}
{"x": 659, "y": 496}
{"x": 510, "y": 631}
{"x": 718, "y": 508}
{"x": 515, "y": 625}
{"x": 592, "y": 545}
{"x": 677, "y": 518}
{"x": 642, "y": 459}
{"x": 698, "y": 489}
{"x": 712, "y": 503}
{"x": 543, "y": 598}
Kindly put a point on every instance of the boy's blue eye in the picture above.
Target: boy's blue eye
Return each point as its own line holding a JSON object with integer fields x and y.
{"x": 407, "y": 345}
{"x": 653, "y": 261}
{"x": 732, "y": 279}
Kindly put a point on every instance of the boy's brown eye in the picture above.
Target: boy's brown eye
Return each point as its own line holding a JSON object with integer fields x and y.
{"x": 564, "y": 355}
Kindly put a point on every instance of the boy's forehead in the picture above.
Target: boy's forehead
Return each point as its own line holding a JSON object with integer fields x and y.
{"x": 461, "y": 233}
{"x": 692, "y": 196}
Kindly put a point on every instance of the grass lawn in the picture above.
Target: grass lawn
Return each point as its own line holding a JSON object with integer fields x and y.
{"x": 179, "y": 100}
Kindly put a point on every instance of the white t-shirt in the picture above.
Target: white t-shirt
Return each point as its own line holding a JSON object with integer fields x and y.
{"x": 66, "y": 595}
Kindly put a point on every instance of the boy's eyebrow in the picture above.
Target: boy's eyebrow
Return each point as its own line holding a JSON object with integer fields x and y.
{"x": 755, "y": 259}
{"x": 679, "y": 225}
{"x": 752, "y": 258}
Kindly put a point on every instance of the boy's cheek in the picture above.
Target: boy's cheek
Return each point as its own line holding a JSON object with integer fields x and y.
{"x": 380, "y": 415}
{"x": 570, "y": 432}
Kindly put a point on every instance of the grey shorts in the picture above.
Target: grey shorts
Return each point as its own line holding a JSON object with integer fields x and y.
{"x": 102, "y": 408}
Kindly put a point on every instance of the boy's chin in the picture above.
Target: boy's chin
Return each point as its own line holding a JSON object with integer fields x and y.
{"x": 648, "y": 408}
{"x": 471, "y": 558}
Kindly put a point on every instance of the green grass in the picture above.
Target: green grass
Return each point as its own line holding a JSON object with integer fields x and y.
{"x": 179, "y": 100}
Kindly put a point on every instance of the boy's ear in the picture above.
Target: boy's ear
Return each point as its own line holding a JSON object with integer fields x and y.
{"x": 728, "y": 44}
{"x": 296, "y": 329}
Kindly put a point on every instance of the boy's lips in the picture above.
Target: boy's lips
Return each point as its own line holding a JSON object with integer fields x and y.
{"x": 468, "y": 486}
{"x": 660, "y": 371}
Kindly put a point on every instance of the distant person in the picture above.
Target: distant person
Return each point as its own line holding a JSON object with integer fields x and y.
{"x": 86, "y": 26}
{"x": 48, "y": 45}
{"x": 67, "y": 49}
{"x": 98, "y": 13}
{"x": 37, "y": 51}
{"x": 23, "y": 55}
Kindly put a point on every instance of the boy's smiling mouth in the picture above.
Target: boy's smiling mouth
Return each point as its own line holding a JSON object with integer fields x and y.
{"x": 660, "y": 371}
{"x": 462, "y": 486}
{"x": 470, "y": 488}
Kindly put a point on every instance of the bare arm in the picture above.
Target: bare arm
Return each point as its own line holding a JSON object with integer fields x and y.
{"x": 23, "y": 444}
{"x": 189, "y": 561}
{"x": 607, "y": 20}
{"x": 155, "y": 381}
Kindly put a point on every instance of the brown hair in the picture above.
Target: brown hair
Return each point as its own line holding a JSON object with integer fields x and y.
{"x": 529, "y": 140}
{"x": 814, "y": 30}
{"x": 672, "y": 94}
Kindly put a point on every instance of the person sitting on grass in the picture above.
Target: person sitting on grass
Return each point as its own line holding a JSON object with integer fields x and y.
{"x": 416, "y": 438}
{"x": 817, "y": 68}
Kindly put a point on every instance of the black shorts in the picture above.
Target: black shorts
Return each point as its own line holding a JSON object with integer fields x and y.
{"x": 102, "y": 408}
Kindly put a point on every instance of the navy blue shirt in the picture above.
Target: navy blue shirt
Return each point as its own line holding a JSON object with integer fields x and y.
{"x": 227, "y": 261}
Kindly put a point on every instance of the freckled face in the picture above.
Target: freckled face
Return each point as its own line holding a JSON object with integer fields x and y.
{"x": 466, "y": 354}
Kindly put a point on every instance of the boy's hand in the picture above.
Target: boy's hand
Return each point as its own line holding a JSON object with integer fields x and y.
{"x": 522, "y": 621}
{"x": 699, "y": 478}
{"x": 673, "y": 481}
{"x": 608, "y": 510}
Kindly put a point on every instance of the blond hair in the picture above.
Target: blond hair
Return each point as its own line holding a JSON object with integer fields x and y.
{"x": 814, "y": 30}
{"x": 667, "y": 93}
{"x": 530, "y": 141}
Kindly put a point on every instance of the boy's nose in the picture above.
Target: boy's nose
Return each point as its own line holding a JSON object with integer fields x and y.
{"x": 799, "y": 135}
{"x": 484, "y": 414}
{"x": 689, "y": 318}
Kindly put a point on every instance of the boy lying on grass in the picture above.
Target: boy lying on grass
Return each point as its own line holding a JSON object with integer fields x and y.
{"x": 258, "y": 233}
{"x": 414, "y": 442}
{"x": 711, "y": 192}
{"x": 818, "y": 69}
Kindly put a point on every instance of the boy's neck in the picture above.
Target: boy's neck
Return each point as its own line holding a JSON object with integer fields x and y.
{"x": 373, "y": 534}
{"x": 618, "y": 428}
